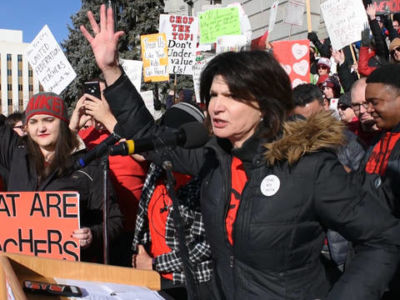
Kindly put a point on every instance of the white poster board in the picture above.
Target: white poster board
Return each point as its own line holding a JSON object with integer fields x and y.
{"x": 294, "y": 12}
{"x": 344, "y": 21}
{"x": 148, "y": 99}
{"x": 272, "y": 15}
{"x": 133, "y": 69}
{"x": 181, "y": 32}
{"x": 230, "y": 43}
{"x": 49, "y": 63}
{"x": 201, "y": 62}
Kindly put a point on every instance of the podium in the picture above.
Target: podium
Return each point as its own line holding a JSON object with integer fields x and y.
{"x": 15, "y": 268}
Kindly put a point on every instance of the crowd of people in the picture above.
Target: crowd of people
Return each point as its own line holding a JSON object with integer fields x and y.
{"x": 294, "y": 195}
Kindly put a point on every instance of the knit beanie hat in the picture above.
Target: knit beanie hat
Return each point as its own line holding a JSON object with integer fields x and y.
{"x": 46, "y": 104}
{"x": 181, "y": 113}
{"x": 324, "y": 61}
{"x": 394, "y": 44}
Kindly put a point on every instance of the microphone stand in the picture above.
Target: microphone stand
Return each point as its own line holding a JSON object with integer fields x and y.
{"x": 180, "y": 230}
{"x": 106, "y": 196}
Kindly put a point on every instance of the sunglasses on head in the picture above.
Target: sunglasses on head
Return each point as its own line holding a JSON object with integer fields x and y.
{"x": 322, "y": 67}
{"x": 395, "y": 49}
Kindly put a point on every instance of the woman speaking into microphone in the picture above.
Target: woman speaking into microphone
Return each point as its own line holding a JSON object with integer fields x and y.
{"x": 270, "y": 186}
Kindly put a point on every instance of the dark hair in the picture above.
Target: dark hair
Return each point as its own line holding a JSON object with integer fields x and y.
{"x": 66, "y": 143}
{"x": 253, "y": 76}
{"x": 388, "y": 74}
{"x": 307, "y": 93}
{"x": 14, "y": 118}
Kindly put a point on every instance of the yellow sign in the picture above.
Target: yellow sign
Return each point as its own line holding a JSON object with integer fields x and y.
{"x": 154, "y": 57}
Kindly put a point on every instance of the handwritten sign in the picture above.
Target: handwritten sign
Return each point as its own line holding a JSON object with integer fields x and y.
{"x": 201, "y": 62}
{"x": 49, "y": 63}
{"x": 216, "y": 22}
{"x": 154, "y": 57}
{"x": 40, "y": 224}
{"x": 344, "y": 21}
{"x": 181, "y": 32}
{"x": 383, "y": 6}
{"x": 294, "y": 59}
{"x": 294, "y": 12}
{"x": 133, "y": 69}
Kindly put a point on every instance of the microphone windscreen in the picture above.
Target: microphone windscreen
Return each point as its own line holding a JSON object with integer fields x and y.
{"x": 196, "y": 135}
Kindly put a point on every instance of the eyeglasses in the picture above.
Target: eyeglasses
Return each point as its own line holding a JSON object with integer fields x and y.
{"x": 357, "y": 106}
{"x": 323, "y": 67}
{"x": 395, "y": 49}
{"x": 343, "y": 107}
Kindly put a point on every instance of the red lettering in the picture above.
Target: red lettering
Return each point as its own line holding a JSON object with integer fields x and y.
{"x": 178, "y": 19}
{"x": 57, "y": 105}
{"x": 55, "y": 288}
{"x": 181, "y": 28}
{"x": 174, "y": 34}
{"x": 172, "y": 19}
{"x": 43, "y": 102}
{"x": 191, "y": 19}
{"x": 174, "y": 27}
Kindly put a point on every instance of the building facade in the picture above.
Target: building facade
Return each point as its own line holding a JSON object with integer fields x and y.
{"x": 17, "y": 81}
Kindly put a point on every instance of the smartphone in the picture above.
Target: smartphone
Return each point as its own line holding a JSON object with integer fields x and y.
{"x": 93, "y": 88}
{"x": 51, "y": 289}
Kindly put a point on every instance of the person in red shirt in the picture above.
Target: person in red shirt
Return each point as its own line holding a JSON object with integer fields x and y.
{"x": 127, "y": 174}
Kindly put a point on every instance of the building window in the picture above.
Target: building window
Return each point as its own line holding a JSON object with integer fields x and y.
{"x": 8, "y": 57}
{"x": 19, "y": 87}
{"x": 9, "y": 72}
{"x": 9, "y": 86}
{"x": 19, "y": 57}
{"x": 19, "y": 73}
{"x": 30, "y": 87}
{"x": 30, "y": 73}
{"x": 9, "y": 101}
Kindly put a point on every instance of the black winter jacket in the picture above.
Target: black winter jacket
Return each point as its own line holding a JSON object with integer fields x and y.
{"x": 87, "y": 181}
{"x": 288, "y": 200}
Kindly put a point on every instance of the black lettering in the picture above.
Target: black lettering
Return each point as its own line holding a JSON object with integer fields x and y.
{"x": 56, "y": 241}
{"x": 66, "y": 205}
{"x": 37, "y": 199}
{"x": 67, "y": 251}
{"x": 28, "y": 240}
{"x": 9, "y": 241}
{"x": 49, "y": 196}
{"x": 36, "y": 247}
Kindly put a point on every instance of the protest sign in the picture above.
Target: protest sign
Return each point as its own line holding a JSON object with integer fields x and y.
{"x": 154, "y": 57}
{"x": 295, "y": 59}
{"x": 385, "y": 6}
{"x": 201, "y": 62}
{"x": 133, "y": 69}
{"x": 40, "y": 224}
{"x": 230, "y": 43}
{"x": 294, "y": 12}
{"x": 148, "y": 99}
{"x": 272, "y": 16}
{"x": 49, "y": 63}
{"x": 181, "y": 32}
{"x": 344, "y": 21}
{"x": 216, "y": 22}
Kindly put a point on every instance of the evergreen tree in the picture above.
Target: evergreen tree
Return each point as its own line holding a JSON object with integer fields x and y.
{"x": 135, "y": 18}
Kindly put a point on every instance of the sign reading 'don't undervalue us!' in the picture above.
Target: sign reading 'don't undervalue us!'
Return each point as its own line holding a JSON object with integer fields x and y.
{"x": 40, "y": 224}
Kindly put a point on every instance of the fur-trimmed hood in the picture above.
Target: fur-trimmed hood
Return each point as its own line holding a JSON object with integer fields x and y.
{"x": 302, "y": 136}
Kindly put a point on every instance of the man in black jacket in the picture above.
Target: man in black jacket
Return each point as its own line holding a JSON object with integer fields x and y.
{"x": 383, "y": 99}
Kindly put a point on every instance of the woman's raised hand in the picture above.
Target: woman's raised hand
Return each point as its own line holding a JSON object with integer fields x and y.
{"x": 104, "y": 43}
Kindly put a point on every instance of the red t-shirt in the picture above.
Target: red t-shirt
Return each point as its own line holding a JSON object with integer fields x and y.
{"x": 379, "y": 158}
{"x": 239, "y": 179}
{"x": 157, "y": 212}
{"x": 127, "y": 176}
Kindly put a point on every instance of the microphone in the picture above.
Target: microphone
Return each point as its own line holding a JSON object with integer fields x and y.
{"x": 97, "y": 151}
{"x": 189, "y": 135}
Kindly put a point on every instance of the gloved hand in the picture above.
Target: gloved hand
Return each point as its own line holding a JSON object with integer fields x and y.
{"x": 312, "y": 36}
{"x": 365, "y": 39}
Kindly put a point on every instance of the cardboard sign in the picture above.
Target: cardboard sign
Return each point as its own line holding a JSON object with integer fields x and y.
{"x": 133, "y": 69}
{"x": 154, "y": 57}
{"x": 294, "y": 12}
{"x": 216, "y": 22}
{"x": 49, "y": 63}
{"x": 294, "y": 58}
{"x": 385, "y": 6}
{"x": 181, "y": 32}
{"x": 344, "y": 21}
{"x": 40, "y": 224}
